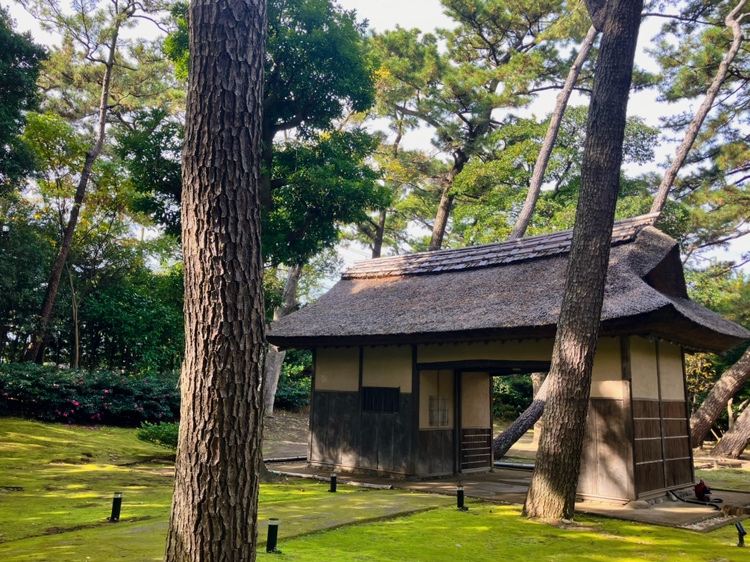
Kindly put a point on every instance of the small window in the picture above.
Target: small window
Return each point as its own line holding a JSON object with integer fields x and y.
{"x": 438, "y": 411}
{"x": 377, "y": 399}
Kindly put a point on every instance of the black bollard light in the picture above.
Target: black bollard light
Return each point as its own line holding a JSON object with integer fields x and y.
{"x": 116, "y": 505}
{"x": 460, "y": 498}
{"x": 741, "y": 532}
{"x": 333, "y": 482}
{"x": 273, "y": 536}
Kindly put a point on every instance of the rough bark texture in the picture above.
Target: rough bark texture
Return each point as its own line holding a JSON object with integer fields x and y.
{"x": 503, "y": 442}
{"x": 214, "y": 510}
{"x": 274, "y": 356}
{"x": 553, "y": 484}
{"x": 736, "y": 439}
{"x": 35, "y": 351}
{"x": 537, "y": 178}
{"x": 732, "y": 21}
{"x": 726, "y": 387}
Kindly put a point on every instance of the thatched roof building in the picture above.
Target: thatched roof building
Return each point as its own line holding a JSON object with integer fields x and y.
{"x": 508, "y": 290}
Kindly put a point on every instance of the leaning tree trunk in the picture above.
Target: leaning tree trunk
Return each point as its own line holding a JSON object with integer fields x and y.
{"x": 725, "y": 388}
{"x": 34, "y": 352}
{"x": 537, "y": 178}
{"x": 275, "y": 356}
{"x": 214, "y": 509}
{"x": 735, "y": 440}
{"x": 503, "y": 442}
{"x": 537, "y": 381}
{"x": 446, "y": 202}
{"x": 732, "y": 21}
{"x": 555, "y": 479}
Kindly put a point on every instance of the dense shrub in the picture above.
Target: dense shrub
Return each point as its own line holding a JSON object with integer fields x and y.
{"x": 51, "y": 393}
{"x": 294, "y": 387}
{"x": 511, "y": 396}
{"x": 164, "y": 433}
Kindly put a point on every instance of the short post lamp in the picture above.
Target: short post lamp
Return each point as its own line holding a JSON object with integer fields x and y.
{"x": 460, "y": 498}
{"x": 741, "y": 532}
{"x": 273, "y": 536}
{"x": 116, "y": 505}
{"x": 5, "y": 232}
{"x": 333, "y": 482}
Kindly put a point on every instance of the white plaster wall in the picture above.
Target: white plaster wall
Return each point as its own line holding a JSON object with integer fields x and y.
{"x": 337, "y": 368}
{"x": 475, "y": 400}
{"x": 645, "y": 382}
{"x": 435, "y": 383}
{"x": 670, "y": 372}
{"x": 388, "y": 366}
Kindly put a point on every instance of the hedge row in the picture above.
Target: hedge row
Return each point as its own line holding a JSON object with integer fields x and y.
{"x": 54, "y": 394}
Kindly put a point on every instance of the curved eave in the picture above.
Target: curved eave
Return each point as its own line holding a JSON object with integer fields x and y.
{"x": 667, "y": 323}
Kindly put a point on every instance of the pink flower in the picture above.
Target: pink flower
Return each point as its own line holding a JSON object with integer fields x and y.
{"x": 57, "y": 385}
{"x": 106, "y": 391}
{"x": 5, "y": 394}
{"x": 76, "y": 403}
{"x": 65, "y": 414}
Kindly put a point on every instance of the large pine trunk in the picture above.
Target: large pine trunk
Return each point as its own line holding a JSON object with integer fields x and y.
{"x": 727, "y": 386}
{"x": 555, "y": 479}
{"x": 214, "y": 510}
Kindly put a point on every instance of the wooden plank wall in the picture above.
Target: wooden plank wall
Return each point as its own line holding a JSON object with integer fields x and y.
{"x": 476, "y": 449}
{"x": 435, "y": 452}
{"x": 662, "y": 445}
{"x": 607, "y": 451}
{"x": 372, "y": 440}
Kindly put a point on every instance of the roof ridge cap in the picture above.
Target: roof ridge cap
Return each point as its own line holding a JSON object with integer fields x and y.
{"x": 417, "y": 263}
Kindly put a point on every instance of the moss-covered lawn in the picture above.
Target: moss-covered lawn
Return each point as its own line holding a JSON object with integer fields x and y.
{"x": 56, "y": 484}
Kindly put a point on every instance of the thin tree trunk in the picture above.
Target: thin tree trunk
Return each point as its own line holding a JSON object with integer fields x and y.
{"x": 74, "y": 307}
{"x": 446, "y": 202}
{"x": 275, "y": 357}
{"x": 537, "y": 178}
{"x": 732, "y": 21}
{"x": 537, "y": 380}
{"x": 734, "y": 442}
{"x": 377, "y": 243}
{"x": 730, "y": 414}
{"x": 725, "y": 388}
{"x": 555, "y": 479}
{"x": 214, "y": 508}
{"x": 503, "y": 442}
{"x": 34, "y": 351}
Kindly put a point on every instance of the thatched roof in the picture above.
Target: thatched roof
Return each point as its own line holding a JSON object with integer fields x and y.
{"x": 510, "y": 290}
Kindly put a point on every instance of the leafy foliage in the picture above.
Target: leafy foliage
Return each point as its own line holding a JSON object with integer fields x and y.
{"x": 713, "y": 187}
{"x": 20, "y": 62}
{"x": 295, "y": 382}
{"x": 321, "y": 185}
{"x": 150, "y": 152}
{"x": 53, "y": 394}
{"x": 511, "y": 395}
{"x": 162, "y": 433}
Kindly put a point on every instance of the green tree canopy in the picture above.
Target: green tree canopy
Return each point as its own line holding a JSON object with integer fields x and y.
{"x": 20, "y": 61}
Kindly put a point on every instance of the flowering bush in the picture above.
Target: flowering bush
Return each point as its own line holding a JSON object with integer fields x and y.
{"x": 51, "y": 393}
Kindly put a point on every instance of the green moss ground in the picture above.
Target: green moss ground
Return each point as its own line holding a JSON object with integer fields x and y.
{"x": 492, "y": 533}
{"x": 56, "y": 484}
{"x": 726, "y": 479}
